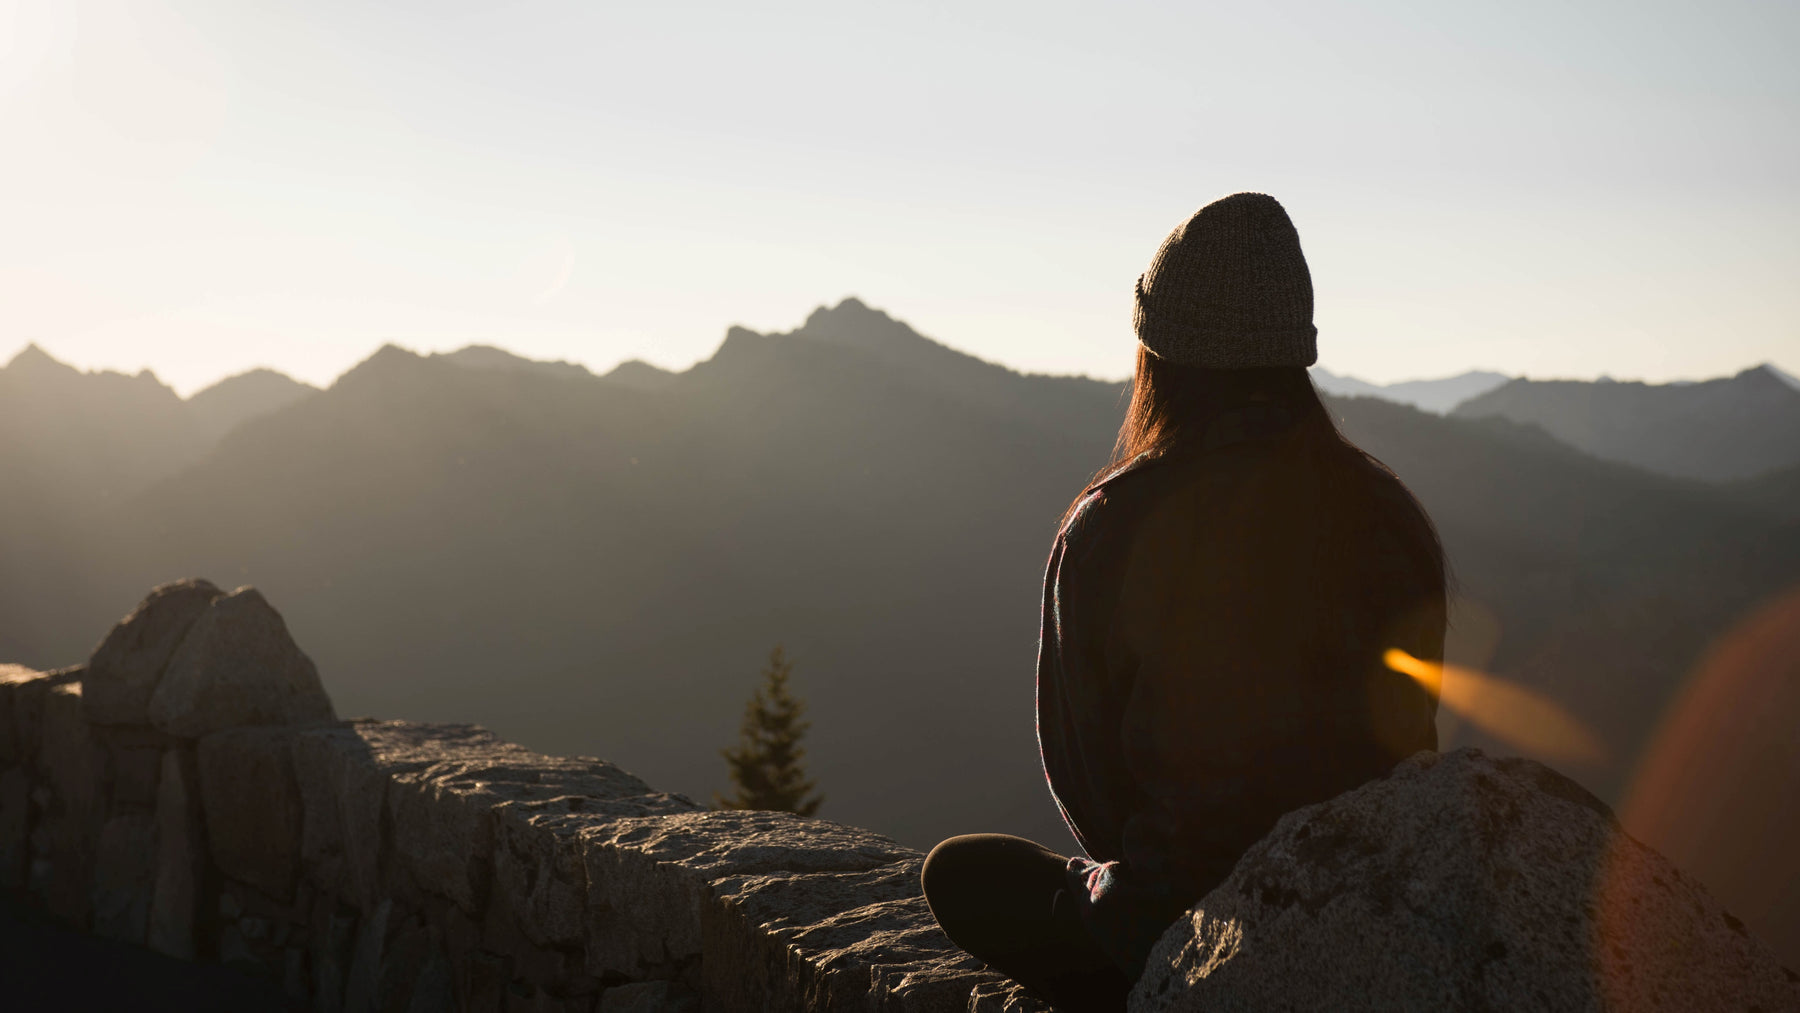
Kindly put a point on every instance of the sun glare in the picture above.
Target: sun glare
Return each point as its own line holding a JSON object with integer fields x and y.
{"x": 1505, "y": 710}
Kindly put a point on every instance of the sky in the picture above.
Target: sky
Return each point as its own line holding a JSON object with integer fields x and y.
{"x": 1543, "y": 189}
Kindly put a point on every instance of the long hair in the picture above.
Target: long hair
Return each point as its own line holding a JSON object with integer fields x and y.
{"x": 1172, "y": 405}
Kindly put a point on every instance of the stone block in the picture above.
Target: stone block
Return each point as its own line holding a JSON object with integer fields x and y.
{"x": 27, "y": 693}
{"x": 364, "y": 978}
{"x": 128, "y": 665}
{"x": 135, "y": 770}
{"x": 1459, "y": 882}
{"x": 539, "y": 872}
{"x": 125, "y": 876}
{"x": 13, "y": 679}
{"x": 649, "y": 997}
{"x": 175, "y": 897}
{"x": 70, "y": 757}
{"x": 649, "y": 877}
{"x": 401, "y": 964}
{"x": 334, "y": 937}
{"x": 251, "y": 799}
{"x": 15, "y": 827}
{"x": 432, "y": 992}
{"x": 236, "y": 666}
{"x": 483, "y": 985}
{"x": 828, "y": 941}
{"x": 342, "y": 791}
{"x": 72, "y": 763}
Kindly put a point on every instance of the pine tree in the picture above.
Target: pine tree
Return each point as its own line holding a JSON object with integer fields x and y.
{"x": 766, "y": 768}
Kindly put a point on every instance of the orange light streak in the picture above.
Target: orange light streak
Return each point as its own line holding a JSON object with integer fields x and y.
{"x": 1505, "y": 710}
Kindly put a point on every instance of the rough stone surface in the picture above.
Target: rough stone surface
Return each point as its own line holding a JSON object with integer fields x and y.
{"x": 649, "y": 997}
{"x": 252, "y": 804}
{"x": 15, "y": 827}
{"x": 12, "y": 679}
{"x": 539, "y": 872}
{"x": 125, "y": 876}
{"x": 1459, "y": 882}
{"x": 27, "y": 693}
{"x": 365, "y": 961}
{"x": 237, "y": 665}
{"x": 175, "y": 898}
{"x": 127, "y": 666}
{"x": 832, "y": 940}
{"x": 648, "y": 878}
{"x": 73, "y": 762}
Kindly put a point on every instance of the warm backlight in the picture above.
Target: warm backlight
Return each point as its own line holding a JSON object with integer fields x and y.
{"x": 1511, "y": 713}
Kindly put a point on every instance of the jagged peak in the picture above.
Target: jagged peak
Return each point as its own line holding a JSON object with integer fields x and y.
{"x": 492, "y": 357}
{"x": 33, "y": 358}
{"x": 259, "y": 378}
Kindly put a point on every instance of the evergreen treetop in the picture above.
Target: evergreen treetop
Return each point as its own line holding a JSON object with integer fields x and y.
{"x": 766, "y": 765}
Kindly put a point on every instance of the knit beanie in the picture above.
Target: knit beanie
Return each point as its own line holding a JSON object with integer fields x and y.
{"x": 1229, "y": 289}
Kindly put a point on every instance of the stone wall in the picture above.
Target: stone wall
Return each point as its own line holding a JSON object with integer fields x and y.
{"x": 189, "y": 789}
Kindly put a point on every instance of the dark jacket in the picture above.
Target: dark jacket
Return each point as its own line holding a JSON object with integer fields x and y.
{"x": 1214, "y": 623}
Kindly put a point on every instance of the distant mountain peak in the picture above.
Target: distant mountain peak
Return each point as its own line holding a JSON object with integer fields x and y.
{"x": 492, "y": 358}
{"x": 31, "y": 358}
{"x": 853, "y": 321}
{"x": 1785, "y": 377}
{"x": 637, "y": 373}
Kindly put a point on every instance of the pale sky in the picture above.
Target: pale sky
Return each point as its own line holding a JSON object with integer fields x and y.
{"x": 1547, "y": 189}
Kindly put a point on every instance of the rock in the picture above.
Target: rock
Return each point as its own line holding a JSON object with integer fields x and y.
{"x": 125, "y": 876}
{"x": 72, "y": 762}
{"x": 333, "y": 941}
{"x": 649, "y": 878}
{"x": 175, "y": 899}
{"x": 539, "y": 874}
{"x": 401, "y": 963}
{"x": 649, "y": 997}
{"x": 828, "y": 941}
{"x": 135, "y": 770}
{"x": 127, "y": 666}
{"x": 1005, "y": 997}
{"x": 432, "y": 993}
{"x": 364, "y": 979}
{"x": 15, "y": 827}
{"x": 1459, "y": 882}
{"x": 237, "y": 665}
{"x": 252, "y": 805}
{"x": 23, "y": 695}
{"x": 12, "y": 680}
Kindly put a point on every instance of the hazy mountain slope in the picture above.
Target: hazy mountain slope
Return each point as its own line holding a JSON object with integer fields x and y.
{"x": 220, "y": 408}
{"x": 589, "y": 567}
{"x": 1436, "y": 396}
{"x": 73, "y": 445}
{"x": 1716, "y": 430}
{"x": 1068, "y": 404}
{"x": 489, "y": 357}
{"x": 452, "y": 542}
{"x": 640, "y": 374}
{"x": 1774, "y": 493}
{"x": 1608, "y": 582}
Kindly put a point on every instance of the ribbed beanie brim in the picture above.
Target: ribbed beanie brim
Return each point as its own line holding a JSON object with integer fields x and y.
{"x": 1229, "y": 289}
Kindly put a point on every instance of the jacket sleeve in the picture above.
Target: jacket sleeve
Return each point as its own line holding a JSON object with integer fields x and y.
{"x": 1080, "y": 695}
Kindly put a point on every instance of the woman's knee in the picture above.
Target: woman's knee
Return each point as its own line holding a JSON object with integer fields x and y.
{"x": 974, "y": 868}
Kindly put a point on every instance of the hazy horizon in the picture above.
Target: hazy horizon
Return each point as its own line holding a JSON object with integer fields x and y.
{"x": 190, "y": 389}
{"x": 201, "y": 187}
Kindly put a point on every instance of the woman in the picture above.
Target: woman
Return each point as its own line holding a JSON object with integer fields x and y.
{"x": 1216, "y": 610}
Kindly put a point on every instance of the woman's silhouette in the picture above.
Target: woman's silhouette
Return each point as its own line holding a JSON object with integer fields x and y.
{"x": 1216, "y": 609}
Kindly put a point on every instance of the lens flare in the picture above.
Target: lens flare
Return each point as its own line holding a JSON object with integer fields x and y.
{"x": 1509, "y": 712}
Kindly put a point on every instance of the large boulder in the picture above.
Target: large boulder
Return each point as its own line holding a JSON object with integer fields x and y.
{"x": 1459, "y": 882}
{"x": 127, "y": 666}
{"x": 237, "y": 665}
